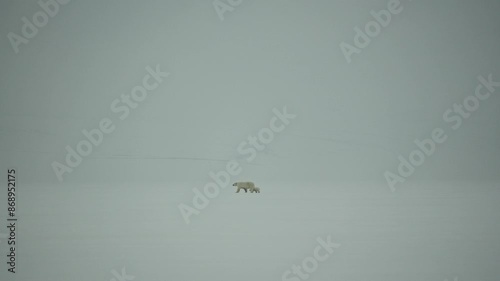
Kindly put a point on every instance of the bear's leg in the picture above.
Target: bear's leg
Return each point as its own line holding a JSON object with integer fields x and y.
{"x": 238, "y": 190}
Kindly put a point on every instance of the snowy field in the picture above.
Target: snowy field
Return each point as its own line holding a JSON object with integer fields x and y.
{"x": 425, "y": 232}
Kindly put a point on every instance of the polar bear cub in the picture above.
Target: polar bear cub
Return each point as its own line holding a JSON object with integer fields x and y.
{"x": 255, "y": 189}
{"x": 246, "y": 185}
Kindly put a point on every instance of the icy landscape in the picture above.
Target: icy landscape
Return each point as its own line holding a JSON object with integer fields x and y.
{"x": 370, "y": 127}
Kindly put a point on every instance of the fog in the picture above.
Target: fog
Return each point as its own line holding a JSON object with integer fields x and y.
{"x": 391, "y": 148}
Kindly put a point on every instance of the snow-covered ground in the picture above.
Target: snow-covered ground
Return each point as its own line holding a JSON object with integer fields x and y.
{"x": 424, "y": 232}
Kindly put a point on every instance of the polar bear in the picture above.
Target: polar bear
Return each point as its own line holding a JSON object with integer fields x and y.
{"x": 255, "y": 189}
{"x": 246, "y": 185}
